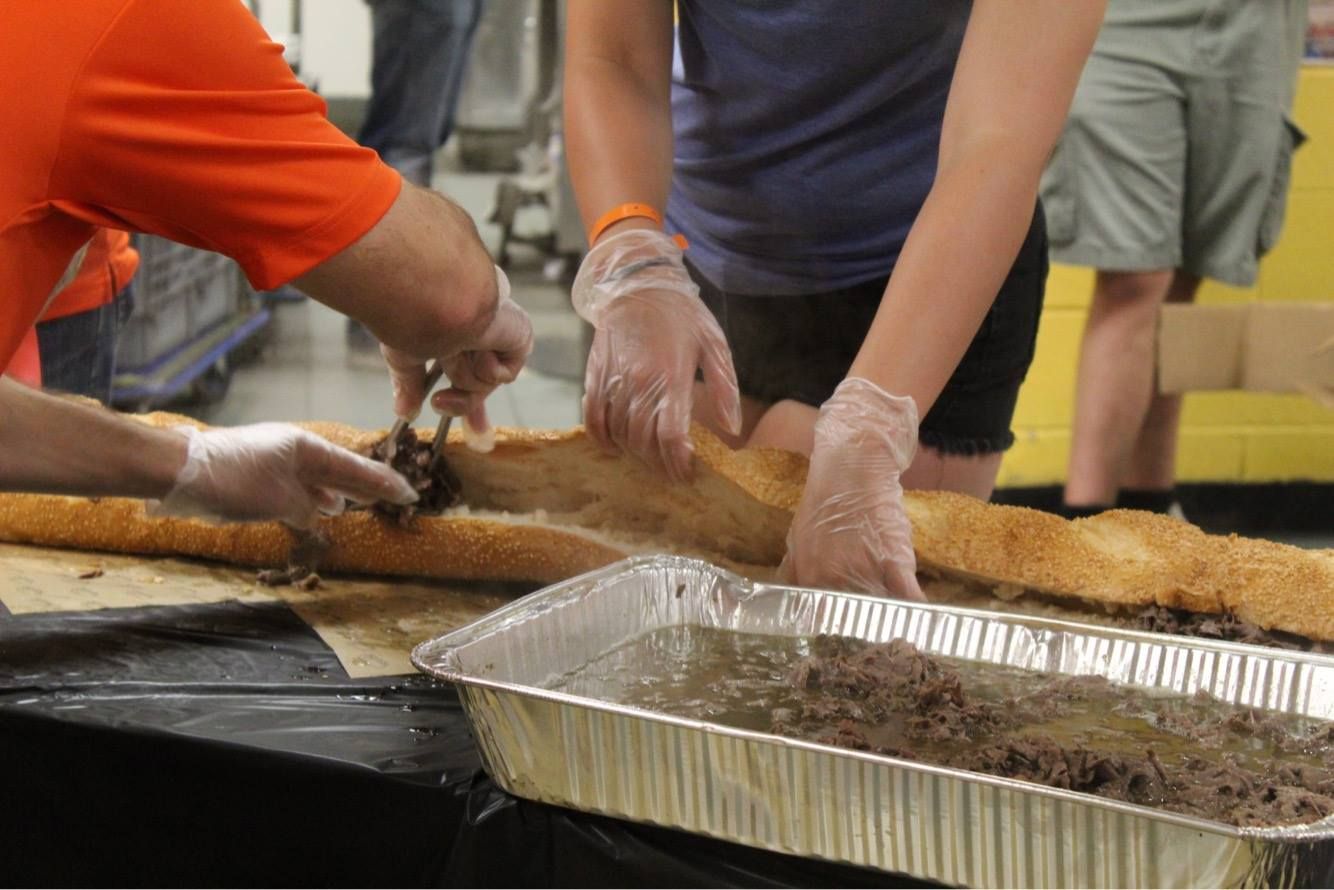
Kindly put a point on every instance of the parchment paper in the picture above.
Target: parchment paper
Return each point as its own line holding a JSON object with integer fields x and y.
{"x": 370, "y": 624}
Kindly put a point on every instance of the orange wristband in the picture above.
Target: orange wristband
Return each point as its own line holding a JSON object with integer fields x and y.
{"x": 629, "y": 211}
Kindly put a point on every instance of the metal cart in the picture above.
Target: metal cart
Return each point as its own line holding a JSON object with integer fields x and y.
{"x": 193, "y": 310}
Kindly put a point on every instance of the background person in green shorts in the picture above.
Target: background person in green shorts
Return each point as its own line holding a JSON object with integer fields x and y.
{"x": 1173, "y": 167}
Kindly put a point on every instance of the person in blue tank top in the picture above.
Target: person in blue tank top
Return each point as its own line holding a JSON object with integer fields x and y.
{"x": 856, "y": 181}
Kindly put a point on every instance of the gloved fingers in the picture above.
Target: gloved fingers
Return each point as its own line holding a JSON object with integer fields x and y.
{"x": 616, "y": 407}
{"x": 478, "y": 434}
{"x": 510, "y": 335}
{"x": 493, "y": 368}
{"x": 408, "y": 378}
{"x": 322, "y": 465}
{"x": 480, "y": 371}
{"x": 889, "y": 580}
{"x": 450, "y": 401}
{"x": 642, "y": 436}
{"x": 328, "y": 503}
{"x": 641, "y": 421}
{"x": 901, "y": 582}
{"x": 475, "y": 418}
{"x": 595, "y": 395}
{"x": 507, "y": 365}
{"x": 720, "y": 381}
{"x": 477, "y": 431}
{"x": 671, "y": 412}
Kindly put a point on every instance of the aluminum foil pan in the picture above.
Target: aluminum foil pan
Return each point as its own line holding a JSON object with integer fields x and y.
{"x": 792, "y": 796}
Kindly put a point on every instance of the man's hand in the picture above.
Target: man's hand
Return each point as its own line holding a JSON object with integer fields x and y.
{"x": 274, "y": 471}
{"x": 652, "y": 333}
{"x": 494, "y": 358}
{"x": 850, "y": 531}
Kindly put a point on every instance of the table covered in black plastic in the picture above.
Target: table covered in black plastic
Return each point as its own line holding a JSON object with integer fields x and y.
{"x": 224, "y": 744}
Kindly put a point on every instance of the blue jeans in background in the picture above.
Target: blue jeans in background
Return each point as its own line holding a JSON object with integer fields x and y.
{"x": 78, "y": 351}
{"x": 419, "y": 51}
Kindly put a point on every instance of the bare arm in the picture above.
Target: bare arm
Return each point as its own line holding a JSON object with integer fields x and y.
{"x": 1016, "y": 75}
{"x": 265, "y": 471}
{"x": 58, "y": 446}
{"x": 420, "y": 279}
{"x": 618, "y": 117}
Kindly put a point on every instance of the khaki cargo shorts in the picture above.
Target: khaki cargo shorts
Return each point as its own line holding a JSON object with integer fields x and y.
{"x": 1178, "y": 146}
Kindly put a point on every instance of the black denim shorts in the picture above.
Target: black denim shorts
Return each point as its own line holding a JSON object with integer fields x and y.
{"x": 800, "y": 348}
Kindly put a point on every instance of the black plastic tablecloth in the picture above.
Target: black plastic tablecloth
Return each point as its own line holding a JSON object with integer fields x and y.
{"x": 224, "y": 745}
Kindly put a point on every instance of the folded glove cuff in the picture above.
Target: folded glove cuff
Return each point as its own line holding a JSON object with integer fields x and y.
{"x": 629, "y": 261}
{"x": 194, "y": 459}
{"x": 181, "y": 500}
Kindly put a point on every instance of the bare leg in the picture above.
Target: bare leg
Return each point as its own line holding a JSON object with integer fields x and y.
{"x": 791, "y": 425}
{"x": 1153, "y": 460}
{"x": 973, "y": 474}
{"x": 751, "y": 412}
{"x": 1115, "y": 383}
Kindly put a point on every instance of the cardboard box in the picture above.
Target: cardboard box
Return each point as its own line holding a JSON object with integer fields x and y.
{"x": 1261, "y": 347}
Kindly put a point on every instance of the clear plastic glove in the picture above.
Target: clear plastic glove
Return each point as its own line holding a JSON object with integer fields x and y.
{"x": 850, "y": 531}
{"x": 652, "y": 333}
{"x": 496, "y": 358}
{"x": 274, "y": 471}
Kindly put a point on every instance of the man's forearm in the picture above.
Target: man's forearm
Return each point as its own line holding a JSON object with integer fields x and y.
{"x": 57, "y": 446}
{"x": 421, "y": 279}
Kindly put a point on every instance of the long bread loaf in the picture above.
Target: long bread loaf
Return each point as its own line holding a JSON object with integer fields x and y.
{"x": 541, "y": 507}
{"x": 547, "y": 505}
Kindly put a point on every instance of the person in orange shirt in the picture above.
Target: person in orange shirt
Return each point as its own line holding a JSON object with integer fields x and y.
{"x": 77, "y": 332}
{"x": 182, "y": 120}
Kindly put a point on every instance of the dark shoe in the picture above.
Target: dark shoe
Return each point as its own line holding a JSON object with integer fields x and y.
{"x": 1155, "y": 500}
{"x": 1082, "y": 512}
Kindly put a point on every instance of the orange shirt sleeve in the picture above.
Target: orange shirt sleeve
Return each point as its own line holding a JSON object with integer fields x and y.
{"x": 186, "y": 122}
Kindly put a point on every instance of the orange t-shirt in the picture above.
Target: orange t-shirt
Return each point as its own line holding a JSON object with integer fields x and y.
{"x": 179, "y": 119}
{"x": 107, "y": 267}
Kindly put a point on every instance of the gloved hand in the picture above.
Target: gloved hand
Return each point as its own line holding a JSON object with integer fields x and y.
{"x": 850, "y": 531}
{"x": 496, "y": 358}
{"x": 652, "y": 333}
{"x": 274, "y": 471}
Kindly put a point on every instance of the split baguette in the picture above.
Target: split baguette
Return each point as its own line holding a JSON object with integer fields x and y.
{"x": 543, "y": 506}
{"x": 1124, "y": 560}
{"x": 547, "y": 505}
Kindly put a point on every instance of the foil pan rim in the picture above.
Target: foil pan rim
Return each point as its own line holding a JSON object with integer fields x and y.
{"x": 606, "y": 573}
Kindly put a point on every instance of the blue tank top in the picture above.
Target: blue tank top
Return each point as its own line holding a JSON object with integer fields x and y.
{"x": 806, "y": 135}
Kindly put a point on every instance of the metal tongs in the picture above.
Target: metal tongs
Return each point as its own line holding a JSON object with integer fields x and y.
{"x": 441, "y": 434}
{"x": 401, "y": 424}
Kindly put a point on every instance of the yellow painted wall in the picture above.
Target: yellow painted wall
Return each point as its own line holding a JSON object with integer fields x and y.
{"x": 1239, "y": 437}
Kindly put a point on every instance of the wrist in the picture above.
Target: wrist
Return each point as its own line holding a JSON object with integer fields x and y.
{"x": 863, "y": 417}
{"x": 166, "y": 455}
{"x": 625, "y": 225}
{"x": 635, "y": 259}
